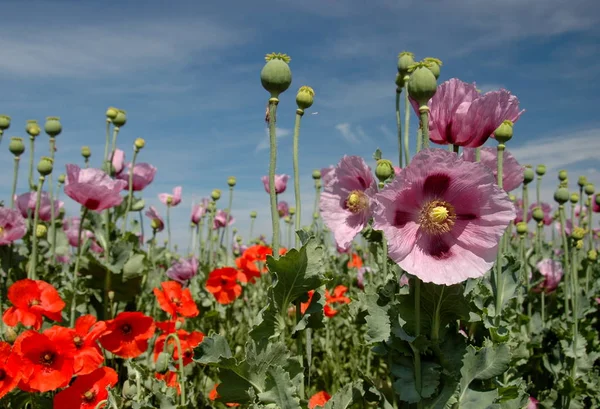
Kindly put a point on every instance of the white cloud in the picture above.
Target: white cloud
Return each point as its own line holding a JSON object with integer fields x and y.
{"x": 347, "y": 133}
{"x": 265, "y": 141}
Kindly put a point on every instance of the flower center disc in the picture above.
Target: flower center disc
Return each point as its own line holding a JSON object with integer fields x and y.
{"x": 437, "y": 217}
{"x": 357, "y": 201}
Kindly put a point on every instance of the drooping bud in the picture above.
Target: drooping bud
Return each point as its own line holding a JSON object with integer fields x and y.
{"x": 316, "y": 175}
{"x": 574, "y": 198}
{"x": 45, "y": 166}
{"x": 138, "y": 205}
{"x": 528, "y": 175}
{"x": 162, "y": 363}
{"x": 589, "y": 189}
{"x": 129, "y": 389}
{"x": 522, "y": 228}
{"x": 562, "y": 175}
{"x": 399, "y": 81}
{"x": 215, "y": 194}
{"x": 111, "y": 113}
{"x": 504, "y": 132}
{"x": 405, "y": 60}
{"x": 276, "y": 76}
{"x": 540, "y": 170}
{"x": 561, "y": 195}
{"x": 434, "y": 65}
{"x": 422, "y": 85}
{"x": 139, "y": 143}
{"x": 121, "y": 119}
{"x": 305, "y": 97}
{"x": 86, "y": 152}
{"x": 231, "y": 181}
{"x": 53, "y": 126}
{"x": 16, "y": 146}
{"x": 384, "y": 170}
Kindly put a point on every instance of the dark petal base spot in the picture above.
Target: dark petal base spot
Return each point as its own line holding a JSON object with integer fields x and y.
{"x": 92, "y": 204}
{"x": 436, "y": 184}
{"x": 439, "y": 249}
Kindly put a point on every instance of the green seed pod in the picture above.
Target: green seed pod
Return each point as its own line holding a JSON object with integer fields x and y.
{"x": 231, "y": 181}
{"x": 129, "y": 389}
{"x": 155, "y": 224}
{"x": 111, "y": 113}
{"x": 562, "y": 175}
{"x": 528, "y": 175}
{"x": 86, "y": 152}
{"x": 504, "y": 132}
{"x": 574, "y": 198}
{"x": 384, "y": 170}
{"x": 406, "y": 59}
{"x": 538, "y": 214}
{"x": 315, "y": 215}
{"x": 121, "y": 119}
{"x": 239, "y": 239}
{"x": 592, "y": 255}
{"x": 578, "y": 233}
{"x": 16, "y": 146}
{"x": 10, "y": 335}
{"x": 138, "y": 205}
{"x": 276, "y": 76}
{"x": 162, "y": 363}
{"x": 316, "y": 175}
{"x": 178, "y": 325}
{"x": 422, "y": 85}
{"x": 253, "y": 214}
{"x": 305, "y": 97}
{"x": 41, "y": 231}
{"x": 522, "y": 228}
{"x": 4, "y": 123}
{"x": 45, "y": 166}
{"x": 512, "y": 198}
{"x": 582, "y": 181}
{"x": 561, "y": 196}
{"x": 32, "y": 128}
{"x": 53, "y": 126}
{"x": 434, "y": 65}
{"x": 61, "y": 178}
{"x": 399, "y": 81}
{"x": 215, "y": 194}
{"x": 139, "y": 143}
{"x": 292, "y": 211}
{"x": 287, "y": 219}
{"x": 589, "y": 189}
{"x": 540, "y": 170}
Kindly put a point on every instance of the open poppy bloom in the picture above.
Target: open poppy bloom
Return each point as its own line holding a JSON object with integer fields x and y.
{"x": 188, "y": 341}
{"x": 87, "y": 391}
{"x": 32, "y": 300}
{"x": 93, "y": 188}
{"x": 127, "y": 335}
{"x": 10, "y": 371}
{"x": 170, "y": 378}
{"x": 215, "y": 395}
{"x": 355, "y": 262}
{"x": 88, "y": 356}
{"x": 337, "y": 297}
{"x": 12, "y": 226}
{"x": 171, "y": 199}
{"x": 318, "y": 400}
{"x": 46, "y": 359}
{"x": 176, "y": 301}
{"x": 222, "y": 283}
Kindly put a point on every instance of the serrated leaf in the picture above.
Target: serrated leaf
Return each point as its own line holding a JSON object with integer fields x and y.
{"x": 313, "y": 316}
{"x": 279, "y": 389}
{"x": 134, "y": 267}
{"x": 478, "y": 400}
{"x": 346, "y": 396}
{"x": 378, "y": 322}
{"x": 212, "y": 350}
{"x": 405, "y": 385}
{"x": 484, "y": 363}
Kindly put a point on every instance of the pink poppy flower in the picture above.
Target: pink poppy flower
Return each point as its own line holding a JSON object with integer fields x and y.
{"x": 443, "y": 218}
{"x": 595, "y": 207}
{"x": 199, "y": 210}
{"x": 153, "y": 215}
{"x": 283, "y": 209}
{"x": 533, "y": 403}
{"x": 71, "y": 229}
{"x": 568, "y": 227}
{"x": 25, "y": 203}
{"x": 220, "y": 220}
{"x": 404, "y": 280}
{"x": 280, "y": 183}
{"x": 118, "y": 161}
{"x": 546, "y": 208}
{"x": 143, "y": 175}
{"x": 460, "y": 115}
{"x": 512, "y": 172}
{"x": 238, "y": 248}
{"x": 93, "y": 188}
{"x": 347, "y": 200}
{"x": 183, "y": 270}
{"x": 397, "y": 170}
{"x": 12, "y": 226}
{"x": 552, "y": 272}
{"x": 326, "y": 174}
{"x": 578, "y": 211}
{"x": 175, "y": 198}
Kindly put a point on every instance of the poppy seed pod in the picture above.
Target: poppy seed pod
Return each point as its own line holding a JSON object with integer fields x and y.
{"x": 582, "y": 181}
{"x": 121, "y": 118}
{"x": 589, "y": 189}
{"x": 592, "y": 255}
{"x": 561, "y": 195}
{"x": 316, "y": 175}
{"x": 422, "y": 85}
{"x": 4, "y": 123}
{"x": 292, "y": 211}
{"x": 504, "y": 132}
{"x": 384, "y": 170}
{"x": 41, "y": 231}
{"x": 45, "y": 166}
{"x": 305, "y": 97}
{"x": 528, "y": 175}
{"x": 434, "y": 66}
{"x": 276, "y": 76}
{"x": 253, "y": 214}
{"x": 574, "y": 198}
{"x": 86, "y": 152}
{"x": 61, "y": 178}
{"x": 538, "y": 214}
{"x": 53, "y": 126}
{"x": 231, "y": 181}
{"x": 215, "y": 194}
{"x": 562, "y": 175}
{"x": 405, "y": 60}
{"x": 16, "y": 146}
{"x": 111, "y": 113}
{"x": 578, "y": 233}
{"x": 522, "y": 228}
{"x": 139, "y": 143}
{"x": 540, "y": 170}
{"x": 32, "y": 127}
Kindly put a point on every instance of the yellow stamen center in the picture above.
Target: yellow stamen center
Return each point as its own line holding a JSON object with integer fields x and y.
{"x": 1, "y": 231}
{"x": 357, "y": 201}
{"x": 437, "y": 217}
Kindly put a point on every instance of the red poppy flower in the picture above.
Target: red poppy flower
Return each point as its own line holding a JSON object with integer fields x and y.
{"x": 248, "y": 270}
{"x": 88, "y": 356}
{"x": 304, "y": 306}
{"x": 222, "y": 283}
{"x": 259, "y": 254}
{"x": 32, "y": 300}
{"x": 127, "y": 335}
{"x": 338, "y": 297}
{"x": 170, "y": 378}
{"x": 215, "y": 395}
{"x": 46, "y": 359}
{"x": 318, "y": 400}
{"x": 355, "y": 262}
{"x": 87, "y": 390}
{"x": 174, "y": 300}
{"x": 169, "y": 326}
{"x": 188, "y": 341}
{"x": 10, "y": 371}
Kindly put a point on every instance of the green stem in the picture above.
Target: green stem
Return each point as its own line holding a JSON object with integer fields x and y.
{"x": 498, "y": 266}
{"x": 299, "y": 113}
{"x": 180, "y": 359}
{"x": 299, "y": 347}
{"x": 419, "y": 139}
{"x": 538, "y": 186}
{"x": 105, "y": 157}
{"x": 477, "y": 154}
{"x": 416, "y": 351}
{"x": 435, "y": 327}
{"x": 130, "y": 190}
{"x": 15, "y": 178}
{"x": 406, "y": 121}
{"x": 251, "y": 228}
{"x": 36, "y": 214}
{"x": 580, "y": 206}
{"x": 52, "y": 209}
{"x": 113, "y": 149}
{"x": 399, "y": 125}
{"x": 565, "y": 244}
{"x": 424, "y": 118}
{"x": 209, "y": 237}
{"x": 574, "y": 301}
{"x": 31, "y": 158}
{"x": 108, "y": 276}
{"x": 272, "y": 165}
{"x": 169, "y": 225}
{"x": 525, "y": 202}
{"x": 84, "y": 211}
{"x": 228, "y": 243}
{"x": 455, "y": 149}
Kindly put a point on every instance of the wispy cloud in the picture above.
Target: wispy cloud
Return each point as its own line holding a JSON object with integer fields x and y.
{"x": 264, "y": 142}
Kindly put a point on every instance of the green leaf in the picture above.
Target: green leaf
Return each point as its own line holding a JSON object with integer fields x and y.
{"x": 478, "y": 400}
{"x": 378, "y": 322}
{"x": 313, "y": 316}
{"x": 135, "y": 266}
{"x": 279, "y": 389}
{"x": 405, "y": 385}
{"x": 212, "y": 350}
{"x": 346, "y": 396}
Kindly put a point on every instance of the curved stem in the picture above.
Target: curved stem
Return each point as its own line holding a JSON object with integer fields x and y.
{"x": 228, "y": 243}
{"x": 130, "y": 190}
{"x": 36, "y": 214}
{"x": 272, "y": 165}
{"x": 180, "y": 359}
{"x": 84, "y": 211}
{"x": 15, "y": 178}
{"x": 399, "y": 125}
{"x": 299, "y": 113}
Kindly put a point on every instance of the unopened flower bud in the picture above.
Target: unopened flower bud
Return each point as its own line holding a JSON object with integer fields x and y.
{"x": 162, "y": 363}
{"x": 111, "y": 295}
{"x": 434, "y": 65}
{"x": 399, "y": 82}
{"x": 215, "y": 194}
{"x": 253, "y": 214}
{"x": 138, "y": 205}
{"x": 540, "y": 170}
{"x": 86, "y": 151}
{"x": 574, "y": 198}
{"x": 16, "y": 146}
{"x": 522, "y": 228}
{"x": 384, "y": 170}
{"x": 121, "y": 118}
{"x": 582, "y": 181}
{"x": 316, "y": 175}
{"x": 562, "y": 175}
{"x": 504, "y": 132}
{"x": 4, "y": 123}
{"x": 292, "y": 211}
{"x": 561, "y": 195}
{"x": 53, "y": 126}
{"x": 129, "y": 389}
{"x": 528, "y": 175}
{"x": 45, "y": 166}
{"x": 422, "y": 85}
{"x": 538, "y": 214}
{"x": 287, "y": 219}
{"x": 139, "y": 143}
{"x": 231, "y": 181}
{"x": 405, "y": 60}
{"x": 592, "y": 255}
{"x": 111, "y": 113}
{"x": 61, "y": 178}
{"x": 578, "y": 233}
{"x": 10, "y": 335}
{"x": 589, "y": 189}
{"x": 276, "y": 76}
{"x": 178, "y": 325}
{"x": 305, "y": 97}
{"x": 40, "y": 231}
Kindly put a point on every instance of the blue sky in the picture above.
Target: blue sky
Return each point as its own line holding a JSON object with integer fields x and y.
{"x": 187, "y": 74}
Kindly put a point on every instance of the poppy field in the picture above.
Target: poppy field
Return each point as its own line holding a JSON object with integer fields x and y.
{"x": 437, "y": 279}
